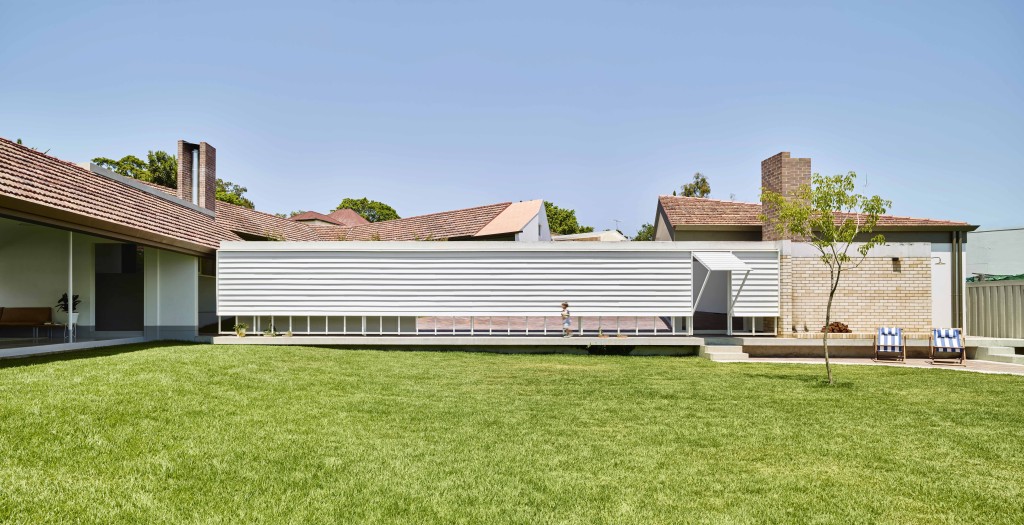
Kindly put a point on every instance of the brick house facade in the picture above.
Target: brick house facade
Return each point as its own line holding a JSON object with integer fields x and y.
{"x": 914, "y": 281}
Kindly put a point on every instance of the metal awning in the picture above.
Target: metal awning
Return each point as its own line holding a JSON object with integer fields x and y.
{"x": 721, "y": 261}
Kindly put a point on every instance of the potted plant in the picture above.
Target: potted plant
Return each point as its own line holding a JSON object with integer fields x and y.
{"x": 62, "y": 306}
{"x": 240, "y": 329}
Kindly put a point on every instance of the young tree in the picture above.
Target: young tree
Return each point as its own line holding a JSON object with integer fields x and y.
{"x": 562, "y": 221}
{"x": 373, "y": 211}
{"x": 698, "y": 188}
{"x": 831, "y": 217}
{"x": 645, "y": 233}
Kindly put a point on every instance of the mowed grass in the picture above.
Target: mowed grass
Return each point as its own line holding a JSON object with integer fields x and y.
{"x": 255, "y": 434}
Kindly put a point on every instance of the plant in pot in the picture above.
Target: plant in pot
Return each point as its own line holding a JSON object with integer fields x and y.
{"x": 240, "y": 329}
{"x": 62, "y": 306}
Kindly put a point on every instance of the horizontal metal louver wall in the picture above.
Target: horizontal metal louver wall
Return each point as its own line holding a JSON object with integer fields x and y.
{"x": 451, "y": 279}
{"x": 756, "y": 294}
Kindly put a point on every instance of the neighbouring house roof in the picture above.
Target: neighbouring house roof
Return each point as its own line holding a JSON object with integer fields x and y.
{"x": 344, "y": 217}
{"x": 455, "y": 224}
{"x": 45, "y": 189}
{"x": 347, "y": 217}
{"x": 696, "y": 212}
{"x": 512, "y": 219}
{"x": 313, "y": 216}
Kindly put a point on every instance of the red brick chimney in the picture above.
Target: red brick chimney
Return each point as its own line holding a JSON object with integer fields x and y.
{"x": 207, "y": 183}
{"x": 783, "y": 175}
{"x": 185, "y": 150}
{"x": 208, "y": 176}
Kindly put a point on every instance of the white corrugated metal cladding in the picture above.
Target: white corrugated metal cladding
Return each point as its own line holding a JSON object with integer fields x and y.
{"x": 462, "y": 278}
{"x": 756, "y": 293}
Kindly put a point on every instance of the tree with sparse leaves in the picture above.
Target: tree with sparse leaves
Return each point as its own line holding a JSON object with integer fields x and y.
{"x": 645, "y": 233}
{"x": 562, "y": 221}
{"x": 700, "y": 187}
{"x": 829, "y": 216}
{"x": 373, "y": 211}
{"x": 290, "y": 214}
{"x": 161, "y": 168}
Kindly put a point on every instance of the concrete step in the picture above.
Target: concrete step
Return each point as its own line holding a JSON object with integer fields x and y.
{"x": 723, "y": 353}
{"x": 999, "y": 354}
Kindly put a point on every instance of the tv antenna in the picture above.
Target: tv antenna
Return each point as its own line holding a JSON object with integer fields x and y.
{"x": 617, "y": 221}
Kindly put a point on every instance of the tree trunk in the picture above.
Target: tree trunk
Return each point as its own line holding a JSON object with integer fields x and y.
{"x": 828, "y": 321}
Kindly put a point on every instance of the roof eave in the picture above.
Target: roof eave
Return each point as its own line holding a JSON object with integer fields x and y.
{"x": 718, "y": 227}
{"x": 65, "y": 220}
{"x": 926, "y": 228}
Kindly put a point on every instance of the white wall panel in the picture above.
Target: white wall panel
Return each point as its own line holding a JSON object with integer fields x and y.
{"x": 756, "y": 294}
{"x": 486, "y": 278}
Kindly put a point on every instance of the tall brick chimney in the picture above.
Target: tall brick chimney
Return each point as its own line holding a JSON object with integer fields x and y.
{"x": 185, "y": 150}
{"x": 783, "y": 175}
{"x": 207, "y": 179}
{"x": 208, "y": 176}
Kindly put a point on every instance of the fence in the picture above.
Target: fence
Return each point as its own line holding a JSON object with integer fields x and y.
{"x": 996, "y": 309}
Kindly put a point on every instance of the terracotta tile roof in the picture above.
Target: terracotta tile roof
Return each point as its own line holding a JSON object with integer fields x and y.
{"x": 315, "y": 216}
{"x": 30, "y": 177}
{"x": 240, "y": 219}
{"x": 347, "y": 217}
{"x": 435, "y": 226}
{"x": 693, "y": 211}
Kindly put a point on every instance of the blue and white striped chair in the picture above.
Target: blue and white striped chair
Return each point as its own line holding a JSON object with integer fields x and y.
{"x": 948, "y": 341}
{"x": 890, "y": 344}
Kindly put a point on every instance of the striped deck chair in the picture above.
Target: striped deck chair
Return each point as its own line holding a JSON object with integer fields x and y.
{"x": 947, "y": 341}
{"x": 890, "y": 344}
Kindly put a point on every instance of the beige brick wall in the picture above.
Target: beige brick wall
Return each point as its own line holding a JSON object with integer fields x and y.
{"x": 785, "y": 295}
{"x": 880, "y": 292}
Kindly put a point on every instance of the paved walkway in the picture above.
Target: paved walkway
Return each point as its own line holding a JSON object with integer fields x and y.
{"x": 973, "y": 365}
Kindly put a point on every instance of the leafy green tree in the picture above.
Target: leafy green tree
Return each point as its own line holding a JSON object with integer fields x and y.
{"x": 373, "y": 211}
{"x": 698, "y": 188}
{"x": 161, "y": 168}
{"x": 155, "y": 170}
{"x": 645, "y": 233}
{"x": 828, "y": 215}
{"x": 562, "y": 221}
{"x": 233, "y": 193}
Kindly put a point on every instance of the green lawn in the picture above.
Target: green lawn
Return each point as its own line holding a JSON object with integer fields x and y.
{"x": 242, "y": 434}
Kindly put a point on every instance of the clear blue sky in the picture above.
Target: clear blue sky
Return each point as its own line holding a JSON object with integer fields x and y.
{"x": 597, "y": 106}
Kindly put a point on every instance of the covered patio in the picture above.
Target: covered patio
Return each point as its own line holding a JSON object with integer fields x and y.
{"x": 40, "y": 265}
{"x": 123, "y": 292}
